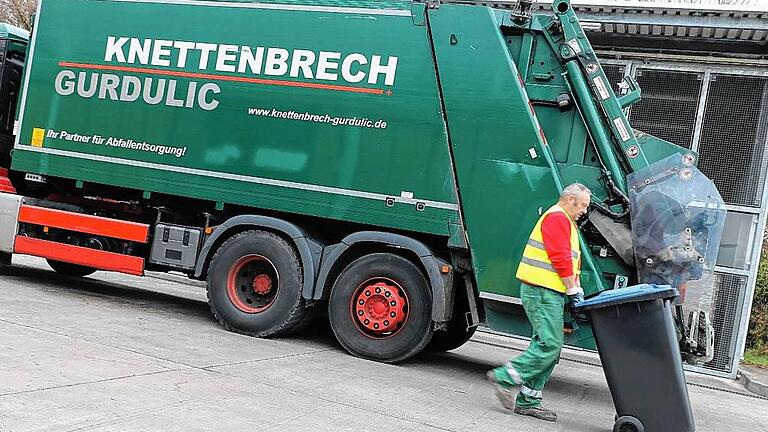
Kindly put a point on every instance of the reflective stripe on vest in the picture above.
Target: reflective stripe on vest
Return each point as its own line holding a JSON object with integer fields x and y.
{"x": 539, "y": 245}
{"x": 536, "y": 268}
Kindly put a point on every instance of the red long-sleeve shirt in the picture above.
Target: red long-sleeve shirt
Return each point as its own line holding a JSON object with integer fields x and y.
{"x": 556, "y": 233}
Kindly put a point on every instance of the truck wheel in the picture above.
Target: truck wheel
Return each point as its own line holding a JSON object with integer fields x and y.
{"x": 380, "y": 308}
{"x": 255, "y": 284}
{"x": 70, "y": 269}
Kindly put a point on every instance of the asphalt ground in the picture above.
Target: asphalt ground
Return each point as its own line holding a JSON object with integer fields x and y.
{"x": 118, "y": 353}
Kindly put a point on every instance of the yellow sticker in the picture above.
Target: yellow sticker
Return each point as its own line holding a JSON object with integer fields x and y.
{"x": 38, "y": 135}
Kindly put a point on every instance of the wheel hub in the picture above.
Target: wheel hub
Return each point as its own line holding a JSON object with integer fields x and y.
{"x": 252, "y": 283}
{"x": 262, "y": 284}
{"x": 380, "y": 307}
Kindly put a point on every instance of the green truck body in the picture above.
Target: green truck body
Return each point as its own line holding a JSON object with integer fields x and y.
{"x": 251, "y": 148}
{"x": 452, "y": 125}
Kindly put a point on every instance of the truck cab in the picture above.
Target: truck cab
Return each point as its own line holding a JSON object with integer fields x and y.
{"x": 13, "y": 50}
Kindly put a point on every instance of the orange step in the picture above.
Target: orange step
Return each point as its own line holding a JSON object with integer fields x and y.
{"x": 80, "y": 255}
{"x": 84, "y": 223}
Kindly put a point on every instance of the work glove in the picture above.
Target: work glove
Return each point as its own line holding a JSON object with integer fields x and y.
{"x": 575, "y": 299}
{"x": 576, "y": 296}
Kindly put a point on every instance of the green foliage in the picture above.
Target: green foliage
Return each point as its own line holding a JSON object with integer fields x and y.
{"x": 18, "y": 12}
{"x": 757, "y": 358}
{"x": 757, "y": 336}
{"x": 761, "y": 288}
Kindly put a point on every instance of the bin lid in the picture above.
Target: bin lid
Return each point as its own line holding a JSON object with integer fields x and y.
{"x": 633, "y": 294}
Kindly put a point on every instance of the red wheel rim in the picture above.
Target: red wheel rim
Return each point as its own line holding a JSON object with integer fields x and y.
{"x": 252, "y": 283}
{"x": 379, "y": 308}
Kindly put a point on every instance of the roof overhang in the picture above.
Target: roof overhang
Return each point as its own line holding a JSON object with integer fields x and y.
{"x": 733, "y": 20}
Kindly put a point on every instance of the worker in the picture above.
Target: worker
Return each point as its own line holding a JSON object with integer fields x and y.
{"x": 549, "y": 275}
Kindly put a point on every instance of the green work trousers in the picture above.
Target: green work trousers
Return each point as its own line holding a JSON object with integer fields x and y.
{"x": 544, "y": 308}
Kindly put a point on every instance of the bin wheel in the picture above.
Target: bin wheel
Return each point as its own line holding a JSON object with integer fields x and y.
{"x": 628, "y": 424}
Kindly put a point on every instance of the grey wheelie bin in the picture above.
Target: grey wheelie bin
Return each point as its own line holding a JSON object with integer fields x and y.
{"x": 635, "y": 334}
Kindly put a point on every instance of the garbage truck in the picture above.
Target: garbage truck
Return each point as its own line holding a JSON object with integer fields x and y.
{"x": 380, "y": 164}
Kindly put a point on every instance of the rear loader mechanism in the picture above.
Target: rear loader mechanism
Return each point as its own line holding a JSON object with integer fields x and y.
{"x": 659, "y": 213}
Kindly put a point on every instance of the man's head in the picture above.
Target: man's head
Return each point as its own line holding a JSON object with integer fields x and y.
{"x": 574, "y": 199}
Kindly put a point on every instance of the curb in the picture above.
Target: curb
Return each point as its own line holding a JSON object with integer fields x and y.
{"x": 748, "y": 380}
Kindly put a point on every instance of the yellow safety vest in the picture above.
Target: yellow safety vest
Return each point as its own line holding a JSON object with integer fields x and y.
{"x": 535, "y": 267}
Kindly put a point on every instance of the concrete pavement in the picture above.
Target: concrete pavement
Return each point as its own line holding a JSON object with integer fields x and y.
{"x": 118, "y": 353}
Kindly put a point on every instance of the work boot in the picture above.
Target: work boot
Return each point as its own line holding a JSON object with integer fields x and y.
{"x": 538, "y": 412}
{"x": 503, "y": 391}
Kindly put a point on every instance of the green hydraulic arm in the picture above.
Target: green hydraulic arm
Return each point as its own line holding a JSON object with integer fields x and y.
{"x": 601, "y": 108}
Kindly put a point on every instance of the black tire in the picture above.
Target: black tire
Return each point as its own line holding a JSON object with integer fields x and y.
{"x": 628, "y": 424}
{"x": 70, "y": 269}
{"x": 281, "y": 310}
{"x": 402, "y": 277}
{"x": 456, "y": 333}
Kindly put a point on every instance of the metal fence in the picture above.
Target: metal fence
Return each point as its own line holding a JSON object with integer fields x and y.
{"x": 722, "y": 113}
